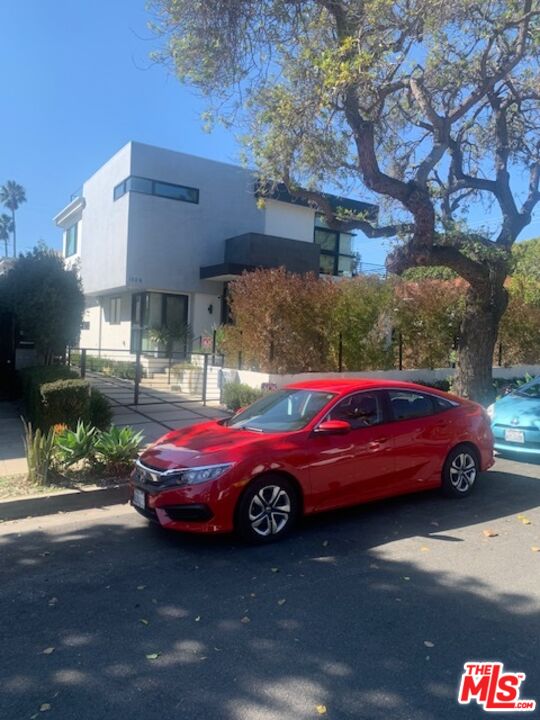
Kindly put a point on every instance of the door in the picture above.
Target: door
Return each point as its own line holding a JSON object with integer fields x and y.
{"x": 348, "y": 469}
{"x": 422, "y": 428}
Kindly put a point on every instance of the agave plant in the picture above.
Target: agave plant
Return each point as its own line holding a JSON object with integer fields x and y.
{"x": 39, "y": 451}
{"x": 118, "y": 447}
{"x": 73, "y": 446}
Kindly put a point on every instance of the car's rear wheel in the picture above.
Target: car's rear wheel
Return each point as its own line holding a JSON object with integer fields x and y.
{"x": 460, "y": 471}
{"x": 267, "y": 510}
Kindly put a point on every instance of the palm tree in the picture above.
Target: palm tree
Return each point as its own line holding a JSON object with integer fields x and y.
{"x": 6, "y": 226}
{"x": 12, "y": 195}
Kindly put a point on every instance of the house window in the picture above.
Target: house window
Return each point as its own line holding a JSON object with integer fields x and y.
{"x": 337, "y": 257}
{"x": 115, "y": 309}
{"x": 71, "y": 240}
{"x": 147, "y": 186}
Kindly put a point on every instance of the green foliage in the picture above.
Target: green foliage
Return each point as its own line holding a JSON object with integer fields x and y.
{"x": 526, "y": 259}
{"x": 46, "y": 299}
{"x": 428, "y": 273}
{"x": 75, "y": 446}
{"x": 179, "y": 368}
{"x": 428, "y": 314}
{"x": 117, "y": 447}
{"x": 239, "y": 395}
{"x": 100, "y": 411}
{"x": 166, "y": 335}
{"x": 39, "y": 450}
{"x": 438, "y": 384}
{"x": 65, "y": 401}
{"x": 363, "y": 315}
{"x": 32, "y": 379}
{"x": 123, "y": 369}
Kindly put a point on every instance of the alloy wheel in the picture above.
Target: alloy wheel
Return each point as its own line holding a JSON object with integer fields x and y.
{"x": 269, "y": 510}
{"x": 463, "y": 471}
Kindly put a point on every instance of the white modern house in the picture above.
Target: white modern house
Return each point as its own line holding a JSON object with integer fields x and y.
{"x": 157, "y": 235}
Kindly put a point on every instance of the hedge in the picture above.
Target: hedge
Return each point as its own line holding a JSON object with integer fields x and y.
{"x": 56, "y": 395}
{"x": 65, "y": 402}
{"x": 238, "y": 395}
{"x": 123, "y": 369}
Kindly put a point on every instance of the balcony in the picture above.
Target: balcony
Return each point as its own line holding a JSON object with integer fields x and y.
{"x": 255, "y": 250}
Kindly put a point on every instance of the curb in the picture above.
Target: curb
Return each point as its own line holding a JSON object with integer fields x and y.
{"x": 36, "y": 506}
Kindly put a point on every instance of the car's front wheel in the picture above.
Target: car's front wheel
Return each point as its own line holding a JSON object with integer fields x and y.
{"x": 267, "y": 510}
{"x": 460, "y": 471}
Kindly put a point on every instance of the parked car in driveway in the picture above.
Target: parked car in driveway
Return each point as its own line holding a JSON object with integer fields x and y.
{"x": 310, "y": 447}
{"x": 515, "y": 420}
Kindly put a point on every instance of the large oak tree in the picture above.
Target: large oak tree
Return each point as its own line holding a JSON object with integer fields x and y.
{"x": 432, "y": 106}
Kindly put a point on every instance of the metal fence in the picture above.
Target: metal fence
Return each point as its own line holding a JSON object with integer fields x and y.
{"x": 155, "y": 376}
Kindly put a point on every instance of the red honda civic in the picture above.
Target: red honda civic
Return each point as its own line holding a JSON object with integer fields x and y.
{"x": 310, "y": 447}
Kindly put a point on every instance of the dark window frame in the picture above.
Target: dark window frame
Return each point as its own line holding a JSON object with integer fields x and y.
{"x": 335, "y": 254}
{"x": 123, "y": 187}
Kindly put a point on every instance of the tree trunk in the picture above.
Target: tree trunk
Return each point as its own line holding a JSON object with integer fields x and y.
{"x": 14, "y": 233}
{"x": 485, "y": 306}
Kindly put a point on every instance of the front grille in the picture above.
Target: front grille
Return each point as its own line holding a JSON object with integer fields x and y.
{"x": 150, "y": 477}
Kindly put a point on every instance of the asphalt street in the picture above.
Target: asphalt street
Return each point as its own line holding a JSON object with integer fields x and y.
{"x": 366, "y": 613}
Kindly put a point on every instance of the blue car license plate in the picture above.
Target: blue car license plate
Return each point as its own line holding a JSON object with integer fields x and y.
{"x": 514, "y": 436}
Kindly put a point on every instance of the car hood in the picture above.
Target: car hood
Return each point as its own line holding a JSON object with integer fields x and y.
{"x": 518, "y": 409}
{"x": 202, "y": 444}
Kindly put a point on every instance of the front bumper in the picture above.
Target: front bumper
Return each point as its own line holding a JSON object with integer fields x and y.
{"x": 521, "y": 448}
{"x": 204, "y": 508}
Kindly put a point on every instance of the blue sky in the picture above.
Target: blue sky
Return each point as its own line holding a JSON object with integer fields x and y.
{"x": 77, "y": 86}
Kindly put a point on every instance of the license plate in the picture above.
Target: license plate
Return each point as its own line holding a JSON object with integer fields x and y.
{"x": 139, "y": 498}
{"x": 514, "y": 436}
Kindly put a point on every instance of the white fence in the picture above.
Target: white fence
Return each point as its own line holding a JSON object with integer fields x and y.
{"x": 256, "y": 379}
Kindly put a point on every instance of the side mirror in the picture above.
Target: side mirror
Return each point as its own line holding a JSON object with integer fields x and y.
{"x": 333, "y": 427}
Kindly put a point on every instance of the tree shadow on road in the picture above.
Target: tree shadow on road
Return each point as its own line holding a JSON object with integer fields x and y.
{"x": 327, "y": 618}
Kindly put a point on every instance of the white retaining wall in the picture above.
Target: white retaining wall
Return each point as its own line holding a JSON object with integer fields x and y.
{"x": 255, "y": 379}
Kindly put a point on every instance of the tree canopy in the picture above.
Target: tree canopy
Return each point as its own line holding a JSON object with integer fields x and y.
{"x": 46, "y": 299}
{"x": 431, "y": 106}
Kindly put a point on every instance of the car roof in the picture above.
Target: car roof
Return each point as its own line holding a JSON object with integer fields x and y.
{"x": 343, "y": 386}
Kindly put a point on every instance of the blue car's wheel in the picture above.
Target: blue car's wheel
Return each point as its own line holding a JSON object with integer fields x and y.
{"x": 460, "y": 471}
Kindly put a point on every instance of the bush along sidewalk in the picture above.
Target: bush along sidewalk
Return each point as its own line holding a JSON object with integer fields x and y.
{"x": 86, "y": 452}
{"x": 56, "y": 395}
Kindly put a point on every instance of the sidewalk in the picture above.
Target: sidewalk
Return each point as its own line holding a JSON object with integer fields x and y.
{"x": 12, "y": 454}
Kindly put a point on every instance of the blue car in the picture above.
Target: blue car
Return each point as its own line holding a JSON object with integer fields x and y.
{"x": 515, "y": 420}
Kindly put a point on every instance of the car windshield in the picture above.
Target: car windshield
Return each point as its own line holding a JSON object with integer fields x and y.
{"x": 530, "y": 389}
{"x": 281, "y": 411}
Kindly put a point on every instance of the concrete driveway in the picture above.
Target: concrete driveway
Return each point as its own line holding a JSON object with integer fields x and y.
{"x": 157, "y": 412}
{"x": 368, "y": 613}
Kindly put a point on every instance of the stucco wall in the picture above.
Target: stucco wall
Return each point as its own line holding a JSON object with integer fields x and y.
{"x": 254, "y": 379}
{"x": 103, "y": 230}
{"x": 169, "y": 240}
{"x": 290, "y": 221}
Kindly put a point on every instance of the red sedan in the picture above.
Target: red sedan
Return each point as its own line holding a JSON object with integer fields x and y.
{"x": 310, "y": 447}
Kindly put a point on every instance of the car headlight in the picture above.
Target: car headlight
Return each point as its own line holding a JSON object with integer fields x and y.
{"x": 196, "y": 475}
{"x": 491, "y": 410}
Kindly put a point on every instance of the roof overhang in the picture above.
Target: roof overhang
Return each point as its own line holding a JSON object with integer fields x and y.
{"x": 280, "y": 192}
{"x": 71, "y": 213}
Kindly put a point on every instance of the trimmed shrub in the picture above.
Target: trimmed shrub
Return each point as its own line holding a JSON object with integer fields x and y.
{"x": 100, "y": 410}
{"x": 32, "y": 379}
{"x": 65, "y": 401}
{"x": 239, "y": 395}
{"x": 123, "y": 369}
